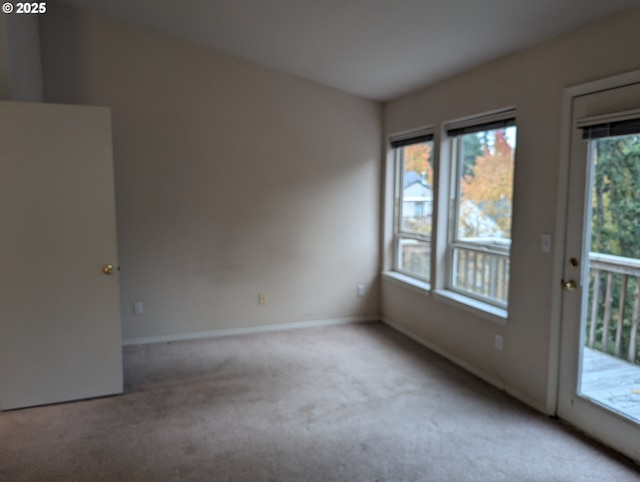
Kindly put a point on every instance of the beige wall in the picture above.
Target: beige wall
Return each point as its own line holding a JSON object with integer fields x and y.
{"x": 231, "y": 179}
{"x": 533, "y": 81}
{"x": 20, "y": 68}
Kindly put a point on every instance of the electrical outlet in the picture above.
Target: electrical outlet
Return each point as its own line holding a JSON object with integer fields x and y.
{"x": 498, "y": 342}
{"x": 138, "y": 308}
{"x": 360, "y": 290}
{"x": 262, "y": 298}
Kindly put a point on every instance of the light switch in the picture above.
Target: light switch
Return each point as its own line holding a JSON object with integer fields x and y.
{"x": 546, "y": 243}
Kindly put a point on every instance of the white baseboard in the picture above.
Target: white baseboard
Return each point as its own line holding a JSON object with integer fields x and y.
{"x": 248, "y": 330}
{"x": 540, "y": 407}
{"x": 495, "y": 381}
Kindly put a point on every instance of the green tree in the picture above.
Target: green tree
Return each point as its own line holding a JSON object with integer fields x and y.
{"x": 472, "y": 148}
{"x": 615, "y": 226}
{"x": 616, "y": 197}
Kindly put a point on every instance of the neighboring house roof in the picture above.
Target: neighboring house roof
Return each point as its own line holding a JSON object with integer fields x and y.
{"x": 412, "y": 177}
{"x": 416, "y": 188}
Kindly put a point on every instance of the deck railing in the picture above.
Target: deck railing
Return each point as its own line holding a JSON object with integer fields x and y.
{"x": 614, "y": 305}
{"x": 482, "y": 273}
{"x": 614, "y": 291}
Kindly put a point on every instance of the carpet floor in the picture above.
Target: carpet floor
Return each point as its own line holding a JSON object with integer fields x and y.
{"x": 346, "y": 403}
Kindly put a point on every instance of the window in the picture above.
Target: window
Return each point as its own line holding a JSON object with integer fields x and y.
{"x": 413, "y": 204}
{"x": 482, "y": 162}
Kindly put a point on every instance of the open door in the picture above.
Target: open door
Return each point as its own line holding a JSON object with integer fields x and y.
{"x": 60, "y": 335}
{"x": 599, "y": 389}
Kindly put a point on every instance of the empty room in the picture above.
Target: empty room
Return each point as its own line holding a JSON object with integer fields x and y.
{"x": 353, "y": 240}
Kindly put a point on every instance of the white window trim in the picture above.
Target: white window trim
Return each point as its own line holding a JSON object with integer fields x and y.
{"x": 446, "y": 230}
{"x": 397, "y": 231}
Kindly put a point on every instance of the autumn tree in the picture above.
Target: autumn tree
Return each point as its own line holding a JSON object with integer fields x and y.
{"x": 417, "y": 158}
{"x": 490, "y": 183}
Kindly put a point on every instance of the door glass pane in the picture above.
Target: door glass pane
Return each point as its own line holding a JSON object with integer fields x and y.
{"x": 610, "y": 368}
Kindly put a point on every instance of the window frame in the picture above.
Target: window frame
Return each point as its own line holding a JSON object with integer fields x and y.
{"x": 454, "y": 132}
{"x": 398, "y": 143}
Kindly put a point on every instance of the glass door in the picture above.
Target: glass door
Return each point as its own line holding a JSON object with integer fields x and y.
{"x": 600, "y": 352}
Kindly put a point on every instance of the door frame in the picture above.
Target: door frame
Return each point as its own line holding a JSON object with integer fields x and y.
{"x": 560, "y": 255}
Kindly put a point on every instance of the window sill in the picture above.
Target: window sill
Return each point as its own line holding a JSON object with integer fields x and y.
{"x": 407, "y": 281}
{"x": 470, "y": 305}
{"x": 478, "y": 308}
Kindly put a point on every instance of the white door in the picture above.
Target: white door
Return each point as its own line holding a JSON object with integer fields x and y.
{"x": 599, "y": 388}
{"x": 60, "y": 333}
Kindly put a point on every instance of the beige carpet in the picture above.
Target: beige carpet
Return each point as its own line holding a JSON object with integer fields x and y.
{"x": 349, "y": 403}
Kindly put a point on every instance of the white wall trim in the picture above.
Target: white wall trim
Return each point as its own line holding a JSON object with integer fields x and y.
{"x": 614, "y": 82}
{"x": 248, "y": 330}
{"x": 540, "y": 407}
{"x": 495, "y": 381}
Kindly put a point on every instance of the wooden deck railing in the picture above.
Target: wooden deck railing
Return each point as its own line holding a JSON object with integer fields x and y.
{"x": 614, "y": 292}
{"x": 482, "y": 273}
{"x": 614, "y": 305}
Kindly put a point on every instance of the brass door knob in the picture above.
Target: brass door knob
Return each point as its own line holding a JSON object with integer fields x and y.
{"x": 107, "y": 269}
{"x": 570, "y": 285}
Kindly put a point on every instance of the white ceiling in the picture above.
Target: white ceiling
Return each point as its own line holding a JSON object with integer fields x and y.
{"x": 378, "y": 49}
